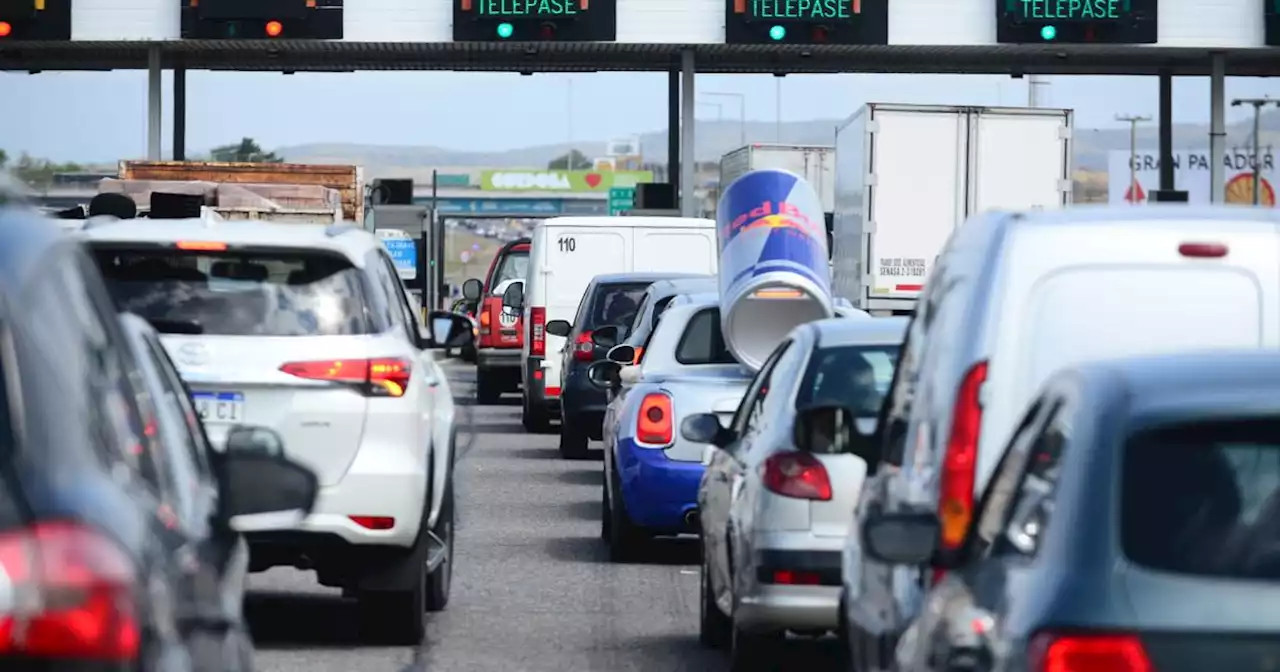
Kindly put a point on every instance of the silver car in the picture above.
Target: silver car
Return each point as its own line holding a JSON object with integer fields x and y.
{"x": 781, "y": 484}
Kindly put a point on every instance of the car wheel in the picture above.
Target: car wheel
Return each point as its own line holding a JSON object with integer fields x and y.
{"x": 394, "y": 618}
{"x": 573, "y": 442}
{"x": 439, "y": 582}
{"x": 626, "y": 539}
{"x": 715, "y": 630}
{"x": 488, "y": 391}
{"x": 535, "y": 421}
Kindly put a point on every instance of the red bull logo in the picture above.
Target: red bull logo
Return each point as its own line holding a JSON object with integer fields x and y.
{"x": 771, "y": 215}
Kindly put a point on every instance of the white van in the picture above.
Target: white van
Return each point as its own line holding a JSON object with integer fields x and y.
{"x": 567, "y": 252}
{"x": 1014, "y": 298}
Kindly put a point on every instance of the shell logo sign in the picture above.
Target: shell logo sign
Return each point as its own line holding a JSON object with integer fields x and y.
{"x": 1240, "y": 191}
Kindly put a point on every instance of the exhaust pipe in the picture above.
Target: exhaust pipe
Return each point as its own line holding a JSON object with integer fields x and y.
{"x": 691, "y": 519}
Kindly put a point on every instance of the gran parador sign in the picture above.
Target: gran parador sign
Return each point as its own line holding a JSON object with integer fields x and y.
{"x": 562, "y": 180}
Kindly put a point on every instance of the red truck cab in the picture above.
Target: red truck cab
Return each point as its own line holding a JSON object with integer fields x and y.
{"x": 500, "y": 337}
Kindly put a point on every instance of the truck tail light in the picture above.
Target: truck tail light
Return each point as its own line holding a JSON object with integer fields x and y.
{"x": 538, "y": 331}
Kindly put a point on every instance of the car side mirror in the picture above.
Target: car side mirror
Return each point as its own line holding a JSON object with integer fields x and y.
{"x": 706, "y": 428}
{"x": 472, "y": 289}
{"x": 513, "y": 296}
{"x": 606, "y": 336}
{"x": 622, "y": 354}
{"x": 448, "y": 330}
{"x": 559, "y": 328}
{"x": 254, "y": 481}
{"x": 832, "y": 429}
{"x": 603, "y": 375}
{"x": 901, "y": 538}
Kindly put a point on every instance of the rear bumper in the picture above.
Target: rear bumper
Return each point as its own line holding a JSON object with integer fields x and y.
{"x": 766, "y": 605}
{"x": 657, "y": 490}
{"x": 499, "y": 358}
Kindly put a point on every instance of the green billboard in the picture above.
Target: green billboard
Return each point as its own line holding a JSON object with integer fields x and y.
{"x": 579, "y": 181}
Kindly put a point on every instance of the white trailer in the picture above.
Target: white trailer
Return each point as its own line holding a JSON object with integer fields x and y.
{"x": 908, "y": 175}
{"x": 814, "y": 163}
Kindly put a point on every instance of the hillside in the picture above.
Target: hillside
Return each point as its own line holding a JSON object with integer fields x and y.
{"x": 714, "y": 138}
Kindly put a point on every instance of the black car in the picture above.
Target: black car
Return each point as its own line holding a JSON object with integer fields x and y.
{"x": 611, "y": 300}
{"x": 1133, "y": 524}
{"x": 103, "y": 550}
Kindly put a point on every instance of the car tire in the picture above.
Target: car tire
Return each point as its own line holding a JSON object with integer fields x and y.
{"x": 753, "y": 651}
{"x": 440, "y": 581}
{"x": 394, "y": 618}
{"x": 535, "y": 421}
{"x": 715, "y": 630}
{"x": 626, "y": 539}
{"x": 573, "y": 442}
{"x": 488, "y": 389}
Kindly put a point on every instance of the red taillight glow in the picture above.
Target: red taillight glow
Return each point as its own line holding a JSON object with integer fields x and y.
{"x": 374, "y": 522}
{"x": 274, "y": 28}
{"x": 583, "y": 348}
{"x": 790, "y": 577}
{"x": 1088, "y": 652}
{"x": 6, "y": 29}
{"x": 384, "y": 377}
{"x": 76, "y": 595}
{"x": 655, "y": 424}
{"x": 796, "y": 474}
{"x": 1203, "y": 250}
{"x": 200, "y": 245}
{"x": 486, "y": 320}
{"x": 537, "y": 331}
{"x": 955, "y": 501}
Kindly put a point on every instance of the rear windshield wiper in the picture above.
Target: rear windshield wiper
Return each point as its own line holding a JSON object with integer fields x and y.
{"x": 187, "y": 327}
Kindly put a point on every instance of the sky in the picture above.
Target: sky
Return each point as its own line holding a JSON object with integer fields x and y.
{"x": 101, "y": 116}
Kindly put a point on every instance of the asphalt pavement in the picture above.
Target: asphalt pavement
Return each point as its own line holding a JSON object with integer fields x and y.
{"x": 533, "y": 589}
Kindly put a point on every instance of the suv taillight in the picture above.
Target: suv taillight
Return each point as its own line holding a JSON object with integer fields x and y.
{"x": 69, "y": 595}
{"x": 583, "y": 348}
{"x": 485, "y": 320}
{"x": 796, "y": 474}
{"x": 655, "y": 424}
{"x": 375, "y": 377}
{"x": 1087, "y": 652}
{"x": 537, "y": 331}
{"x": 955, "y": 497}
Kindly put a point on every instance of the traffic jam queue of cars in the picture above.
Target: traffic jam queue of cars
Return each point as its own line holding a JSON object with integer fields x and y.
{"x": 1066, "y": 459}
{"x": 184, "y": 401}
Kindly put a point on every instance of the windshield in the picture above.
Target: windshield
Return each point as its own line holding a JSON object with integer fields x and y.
{"x": 514, "y": 265}
{"x": 855, "y": 376}
{"x": 284, "y": 293}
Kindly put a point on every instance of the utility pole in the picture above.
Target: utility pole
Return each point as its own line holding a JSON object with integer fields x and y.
{"x": 1133, "y": 120}
{"x": 1034, "y": 82}
{"x": 1258, "y": 104}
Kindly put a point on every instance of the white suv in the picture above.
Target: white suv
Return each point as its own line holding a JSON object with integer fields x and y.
{"x": 307, "y": 329}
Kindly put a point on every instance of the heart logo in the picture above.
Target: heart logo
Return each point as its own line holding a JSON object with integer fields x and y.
{"x": 593, "y": 180}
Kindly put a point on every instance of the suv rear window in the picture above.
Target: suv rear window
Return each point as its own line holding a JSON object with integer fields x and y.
{"x": 614, "y": 304}
{"x": 1204, "y": 498}
{"x": 513, "y": 265}
{"x": 284, "y": 293}
{"x": 702, "y": 342}
{"x": 855, "y": 376}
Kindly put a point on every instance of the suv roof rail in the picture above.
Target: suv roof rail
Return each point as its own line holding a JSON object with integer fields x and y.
{"x": 339, "y": 229}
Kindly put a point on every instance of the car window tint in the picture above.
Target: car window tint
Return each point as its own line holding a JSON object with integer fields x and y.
{"x": 753, "y": 401}
{"x": 402, "y": 316}
{"x": 1203, "y": 497}
{"x": 513, "y": 265}
{"x": 640, "y": 309}
{"x": 702, "y": 342}
{"x": 613, "y": 304}
{"x": 230, "y": 293}
{"x": 854, "y": 376}
{"x": 659, "y": 308}
{"x": 380, "y": 302}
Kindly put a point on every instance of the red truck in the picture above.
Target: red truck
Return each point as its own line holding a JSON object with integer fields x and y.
{"x": 500, "y": 336}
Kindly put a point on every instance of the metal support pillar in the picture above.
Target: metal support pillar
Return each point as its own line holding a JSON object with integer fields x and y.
{"x": 1217, "y": 127}
{"x": 155, "y": 103}
{"x": 673, "y": 128}
{"x": 688, "y": 152}
{"x": 179, "y": 113}
{"x": 1166, "y": 132}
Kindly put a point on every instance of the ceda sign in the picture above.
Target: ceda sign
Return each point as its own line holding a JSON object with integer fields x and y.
{"x": 562, "y": 180}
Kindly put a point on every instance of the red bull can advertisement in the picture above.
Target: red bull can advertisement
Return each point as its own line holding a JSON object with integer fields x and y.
{"x": 774, "y": 273}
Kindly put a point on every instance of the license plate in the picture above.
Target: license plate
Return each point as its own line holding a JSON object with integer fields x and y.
{"x": 225, "y": 407}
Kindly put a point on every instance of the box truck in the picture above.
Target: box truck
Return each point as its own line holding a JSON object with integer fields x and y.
{"x": 907, "y": 175}
{"x": 814, "y": 163}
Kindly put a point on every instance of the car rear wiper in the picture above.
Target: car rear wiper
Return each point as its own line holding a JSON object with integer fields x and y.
{"x": 187, "y": 327}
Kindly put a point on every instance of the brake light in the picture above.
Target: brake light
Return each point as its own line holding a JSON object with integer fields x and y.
{"x": 655, "y": 425}
{"x": 69, "y": 595}
{"x": 583, "y": 348}
{"x": 6, "y": 29}
{"x": 274, "y": 28}
{"x": 1088, "y": 652}
{"x": 200, "y": 245}
{"x": 380, "y": 377}
{"x": 537, "y": 331}
{"x": 955, "y": 501}
{"x": 790, "y": 577}
{"x": 796, "y": 474}
{"x": 485, "y": 321}
{"x": 639, "y": 355}
{"x": 1203, "y": 250}
{"x": 374, "y": 522}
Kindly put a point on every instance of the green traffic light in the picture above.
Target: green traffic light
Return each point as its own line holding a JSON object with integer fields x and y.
{"x": 1048, "y": 33}
{"x": 777, "y": 33}
{"x": 505, "y": 30}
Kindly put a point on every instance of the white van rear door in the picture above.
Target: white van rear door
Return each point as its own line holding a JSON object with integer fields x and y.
{"x": 573, "y": 256}
{"x": 684, "y": 250}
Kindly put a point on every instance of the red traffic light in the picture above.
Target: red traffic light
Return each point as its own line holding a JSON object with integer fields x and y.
{"x": 274, "y": 28}
{"x": 820, "y": 34}
{"x": 547, "y": 31}
{"x": 6, "y": 29}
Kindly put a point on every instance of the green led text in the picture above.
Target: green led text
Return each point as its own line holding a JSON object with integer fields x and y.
{"x": 1072, "y": 10}
{"x": 528, "y": 7}
{"x": 800, "y": 9}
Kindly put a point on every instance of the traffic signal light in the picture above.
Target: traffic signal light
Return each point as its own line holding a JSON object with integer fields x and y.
{"x": 35, "y": 20}
{"x": 262, "y": 19}
{"x": 547, "y": 21}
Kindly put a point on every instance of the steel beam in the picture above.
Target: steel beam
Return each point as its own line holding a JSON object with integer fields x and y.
{"x": 155, "y": 103}
{"x": 688, "y": 151}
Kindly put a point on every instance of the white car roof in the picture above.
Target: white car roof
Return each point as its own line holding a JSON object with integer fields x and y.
{"x": 348, "y": 240}
{"x": 838, "y": 332}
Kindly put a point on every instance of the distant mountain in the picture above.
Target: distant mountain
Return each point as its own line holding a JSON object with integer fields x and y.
{"x": 714, "y": 138}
